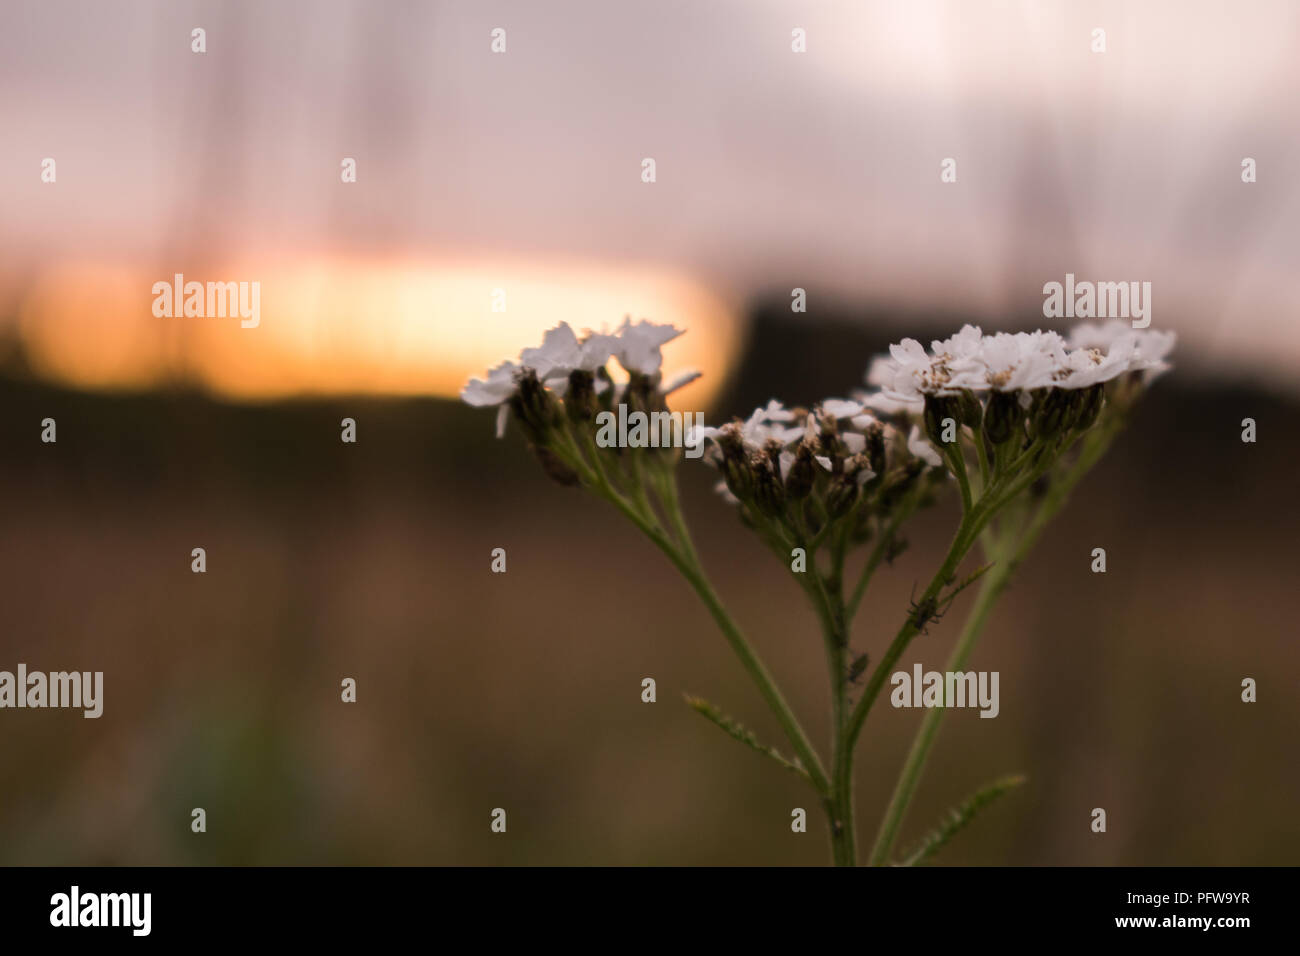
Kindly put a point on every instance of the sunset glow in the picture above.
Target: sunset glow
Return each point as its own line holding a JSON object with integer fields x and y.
{"x": 334, "y": 326}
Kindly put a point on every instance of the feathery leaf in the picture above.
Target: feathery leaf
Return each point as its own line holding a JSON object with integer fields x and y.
{"x": 957, "y": 818}
{"x": 745, "y": 736}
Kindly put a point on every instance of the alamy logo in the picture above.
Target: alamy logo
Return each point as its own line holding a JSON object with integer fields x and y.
{"x": 103, "y": 909}
{"x": 56, "y": 689}
{"x": 950, "y": 689}
{"x": 651, "y": 430}
{"x": 1098, "y": 300}
{"x": 216, "y": 300}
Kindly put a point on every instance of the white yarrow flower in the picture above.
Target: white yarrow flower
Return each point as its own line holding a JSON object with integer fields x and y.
{"x": 1018, "y": 362}
{"x": 758, "y": 430}
{"x": 920, "y": 446}
{"x": 839, "y": 408}
{"x": 776, "y": 412}
{"x": 680, "y": 380}
{"x": 495, "y": 389}
{"x": 556, "y": 357}
{"x": 638, "y": 345}
{"x": 1150, "y": 353}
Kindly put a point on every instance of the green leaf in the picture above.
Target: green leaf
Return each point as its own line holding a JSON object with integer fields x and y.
{"x": 745, "y": 736}
{"x": 946, "y": 599}
{"x": 957, "y": 818}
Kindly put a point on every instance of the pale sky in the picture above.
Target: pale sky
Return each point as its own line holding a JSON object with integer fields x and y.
{"x": 774, "y": 169}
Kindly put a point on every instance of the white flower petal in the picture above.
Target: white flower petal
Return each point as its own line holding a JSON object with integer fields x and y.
{"x": 853, "y": 442}
{"x": 840, "y": 408}
{"x": 638, "y": 345}
{"x": 920, "y": 446}
{"x": 495, "y": 389}
{"x": 558, "y": 355}
{"x": 680, "y": 380}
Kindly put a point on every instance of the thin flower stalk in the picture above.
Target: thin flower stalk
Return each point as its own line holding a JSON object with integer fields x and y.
{"x": 996, "y": 416}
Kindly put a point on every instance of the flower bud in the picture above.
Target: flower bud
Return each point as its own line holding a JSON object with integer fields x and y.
{"x": 605, "y": 397}
{"x": 970, "y": 409}
{"x": 642, "y": 393}
{"x": 822, "y": 431}
{"x": 735, "y": 466}
{"x": 554, "y": 467}
{"x": 1091, "y": 407}
{"x": 937, "y": 409}
{"x": 841, "y": 495}
{"x": 534, "y": 407}
{"x": 1054, "y": 413}
{"x": 769, "y": 496}
{"x": 1003, "y": 417}
{"x": 858, "y": 467}
{"x": 803, "y": 473}
{"x": 875, "y": 435}
{"x": 901, "y": 483}
{"x": 731, "y": 441}
{"x": 581, "y": 400}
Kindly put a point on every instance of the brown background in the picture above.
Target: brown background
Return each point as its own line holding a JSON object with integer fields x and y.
{"x": 522, "y": 690}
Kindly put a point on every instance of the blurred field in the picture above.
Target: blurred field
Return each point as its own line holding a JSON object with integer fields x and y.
{"x": 522, "y": 690}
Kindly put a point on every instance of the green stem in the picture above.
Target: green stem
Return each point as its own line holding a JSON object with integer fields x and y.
{"x": 982, "y": 457}
{"x": 1008, "y": 558}
{"x": 828, "y": 603}
{"x": 971, "y": 523}
{"x": 686, "y": 562}
{"x": 903, "y": 511}
{"x": 843, "y": 833}
{"x": 957, "y": 459}
{"x": 684, "y": 558}
{"x": 989, "y": 592}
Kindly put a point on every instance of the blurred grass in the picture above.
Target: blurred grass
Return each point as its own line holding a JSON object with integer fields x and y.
{"x": 522, "y": 690}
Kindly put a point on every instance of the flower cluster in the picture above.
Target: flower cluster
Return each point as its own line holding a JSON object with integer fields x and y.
{"x": 1015, "y": 420}
{"x": 803, "y": 468}
{"x": 1021, "y": 384}
{"x": 1018, "y": 397}
{"x": 1021, "y": 361}
{"x": 569, "y": 367}
{"x": 1008, "y": 392}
